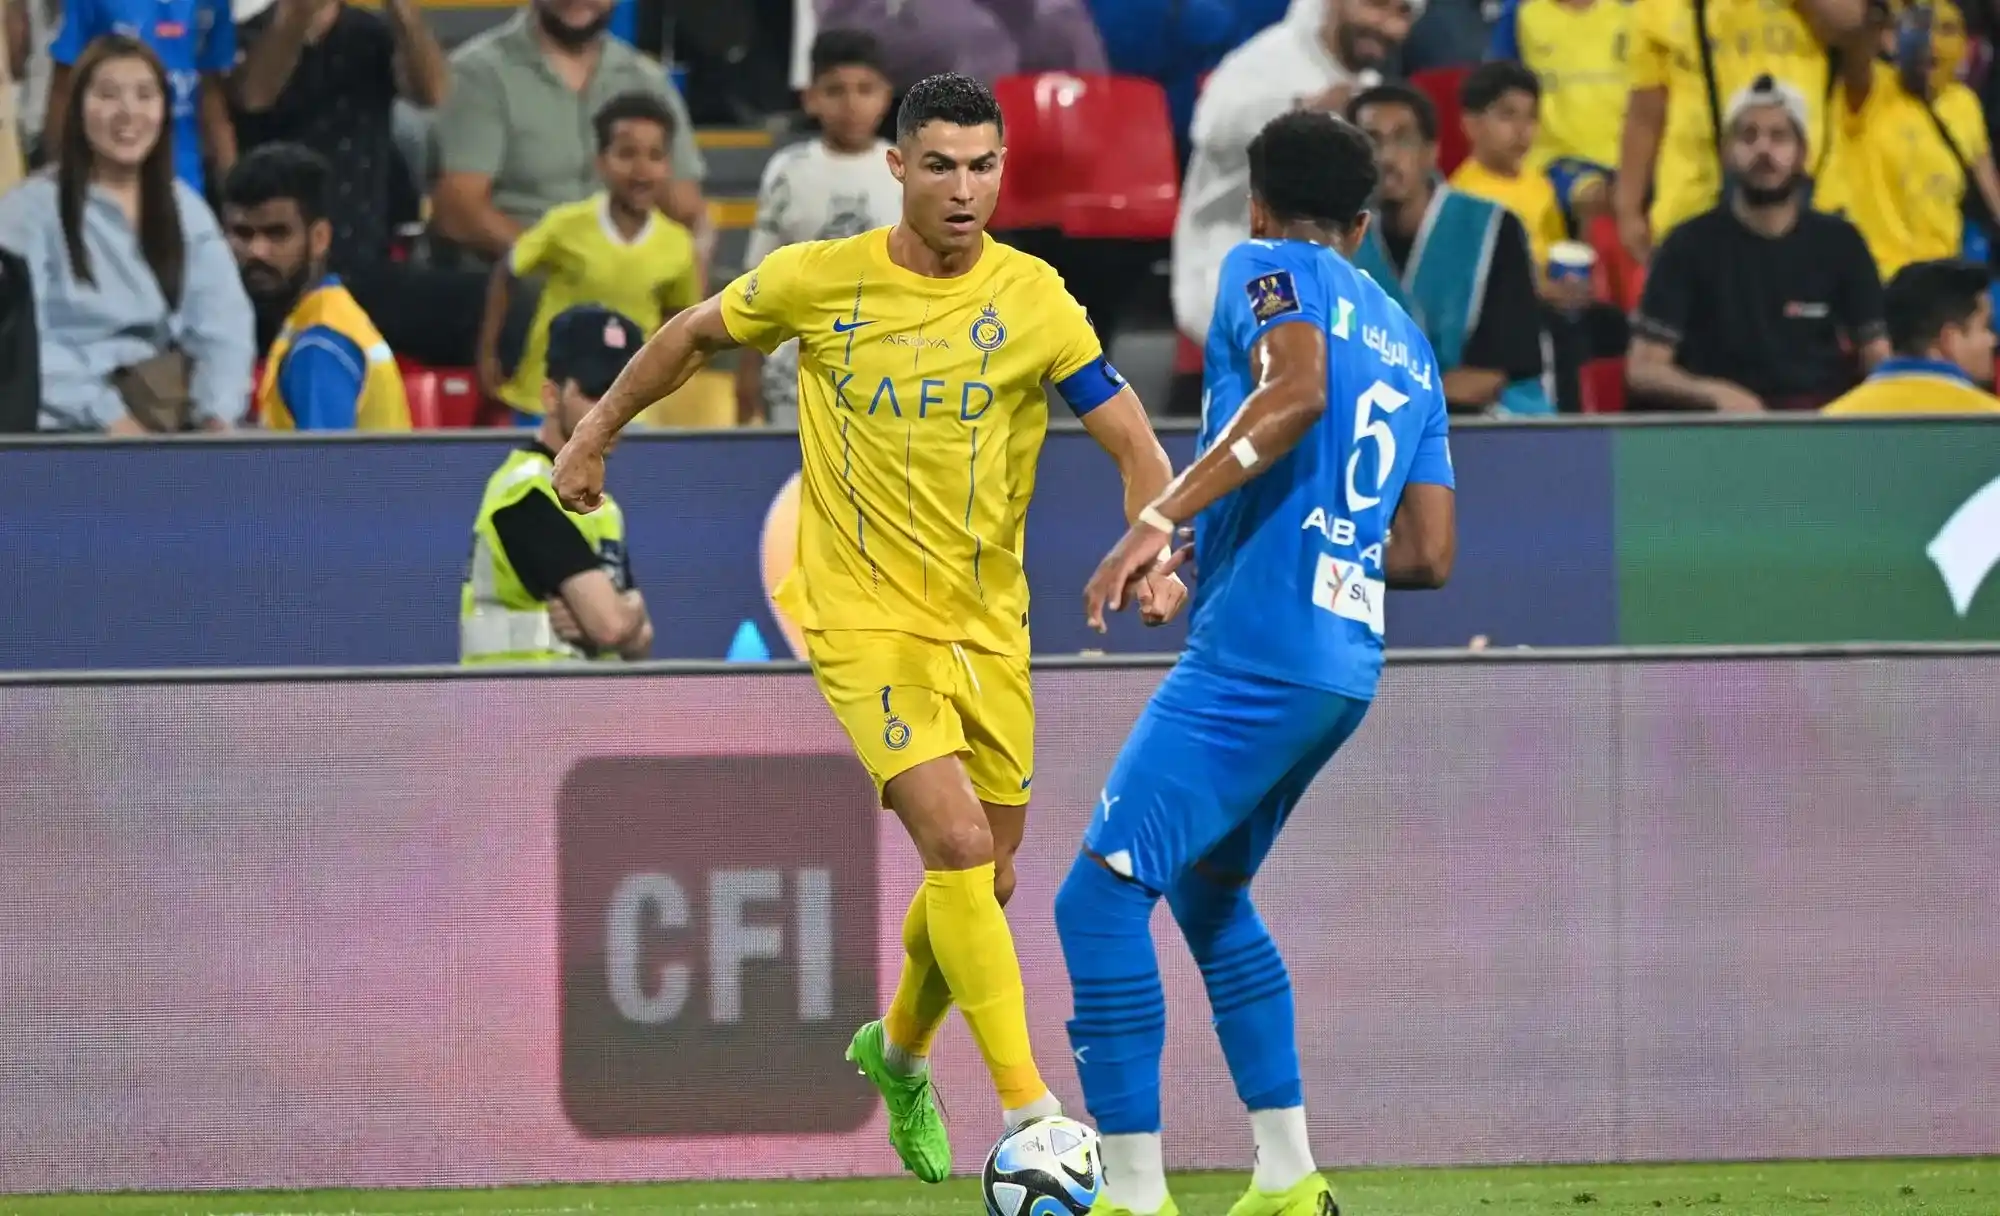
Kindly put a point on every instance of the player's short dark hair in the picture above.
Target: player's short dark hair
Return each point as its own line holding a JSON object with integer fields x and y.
{"x": 1309, "y": 165}
{"x": 1397, "y": 95}
{"x": 1489, "y": 82}
{"x": 1924, "y": 297}
{"x": 635, "y": 106}
{"x": 951, "y": 97}
{"x": 845, "y": 49}
{"x": 275, "y": 171}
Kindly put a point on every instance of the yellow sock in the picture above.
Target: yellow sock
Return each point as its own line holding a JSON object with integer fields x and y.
{"x": 922, "y": 997}
{"x": 975, "y": 950}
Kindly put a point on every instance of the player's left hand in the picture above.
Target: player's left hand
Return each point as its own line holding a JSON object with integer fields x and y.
{"x": 1145, "y": 554}
{"x": 1160, "y": 596}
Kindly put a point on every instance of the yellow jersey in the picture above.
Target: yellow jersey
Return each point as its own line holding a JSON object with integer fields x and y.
{"x": 1915, "y": 386}
{"x": 1578, "y": 52}
{"x": 1530, "y": 196}
{"x": 329, "y": 369}
{"x": 583, "y": 259}
{"x": 1748, "y": 38}
{"x": 1894, "y": 177}
{"x": 921, "y": 418}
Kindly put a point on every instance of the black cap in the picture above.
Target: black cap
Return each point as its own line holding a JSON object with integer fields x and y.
{"x": 591, "y": 345}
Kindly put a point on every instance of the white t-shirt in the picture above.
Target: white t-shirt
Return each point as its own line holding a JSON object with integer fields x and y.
{"x": 1253, "y": 84}
{"x": 812, "y": 193}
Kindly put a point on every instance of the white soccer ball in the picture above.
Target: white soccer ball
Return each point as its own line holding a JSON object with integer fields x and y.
{"x": 1045, "y": 1167}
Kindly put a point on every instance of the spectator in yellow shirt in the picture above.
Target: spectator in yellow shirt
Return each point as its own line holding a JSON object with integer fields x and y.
{"x": 615, "y": 249}
{"x": 1670, "y": 150}
{"x": 1911, "y": 141}
{"x": 1577, "y": 49}
{"x": 1499, "y": 105}
{"x": 1941, "y": 330}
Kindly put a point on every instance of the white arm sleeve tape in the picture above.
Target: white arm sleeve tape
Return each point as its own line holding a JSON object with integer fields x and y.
{"x": 1151, "y": 517}
{"x": 1244, "y": 453}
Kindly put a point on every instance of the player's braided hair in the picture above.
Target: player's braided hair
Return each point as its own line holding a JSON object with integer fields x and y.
{"x": 951, "y": 97}
{"x": 1312, "y": 166}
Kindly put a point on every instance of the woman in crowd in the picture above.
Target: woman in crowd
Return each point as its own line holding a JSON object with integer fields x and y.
{"x": 144, "y": 324}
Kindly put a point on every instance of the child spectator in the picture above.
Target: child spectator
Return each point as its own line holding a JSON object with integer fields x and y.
{"x": 1576, "y": 49}
{"x": 615, "y": 249}
{"x": 835, "y": 186}
{"x": 1500, "y": 102}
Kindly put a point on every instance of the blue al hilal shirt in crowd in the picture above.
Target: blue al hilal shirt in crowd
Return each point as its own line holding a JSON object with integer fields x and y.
{"x": 190, "y": 37}
{"x": 1290, "y": 579}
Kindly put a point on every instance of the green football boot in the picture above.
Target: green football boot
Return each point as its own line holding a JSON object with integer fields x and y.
{"x": 1310, "y": 1196}
{"x": 916, "y": 1130}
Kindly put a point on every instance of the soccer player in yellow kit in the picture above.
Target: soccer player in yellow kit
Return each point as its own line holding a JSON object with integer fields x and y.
{"x": 923, "y": 349}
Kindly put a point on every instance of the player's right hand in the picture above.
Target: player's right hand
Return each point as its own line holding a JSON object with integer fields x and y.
{"x": 579, "y": 478}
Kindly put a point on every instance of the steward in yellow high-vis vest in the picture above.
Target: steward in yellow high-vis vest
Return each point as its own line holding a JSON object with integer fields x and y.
{"x": 544, "y": 584}
{"x": 328, "y": 369}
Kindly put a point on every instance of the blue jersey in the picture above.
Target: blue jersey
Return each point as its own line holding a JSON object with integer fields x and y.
{"x": 190, "y": 37}
{"x": 1289, "y": 568}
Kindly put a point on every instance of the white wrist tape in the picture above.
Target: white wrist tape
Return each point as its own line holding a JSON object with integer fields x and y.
{"x": 1244, "y": 453}
{"x": 1151, "y": 517}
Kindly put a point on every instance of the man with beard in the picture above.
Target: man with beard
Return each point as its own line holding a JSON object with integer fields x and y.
{"x": 1746, "y": 306}
{"x": 546, "y": 585}
{"x": 328, "y": 369}
{"x": 512, "y": 135}
{"x": 1458, "y": 264}
{"x": 1322, "y": 53}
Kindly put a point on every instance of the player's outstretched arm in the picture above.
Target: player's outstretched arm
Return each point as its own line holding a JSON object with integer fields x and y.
{"x": 663, "y": 364}
{"x": 1122, "y": 429}
{"x": 1289, "y": 398}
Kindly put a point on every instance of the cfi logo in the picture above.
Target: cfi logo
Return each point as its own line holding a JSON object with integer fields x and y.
{"x": 1967, "y": 548}
{"x": 987, "y": 331}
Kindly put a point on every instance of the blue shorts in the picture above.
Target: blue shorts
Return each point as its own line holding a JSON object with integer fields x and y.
{"x": 1211, "y": 772}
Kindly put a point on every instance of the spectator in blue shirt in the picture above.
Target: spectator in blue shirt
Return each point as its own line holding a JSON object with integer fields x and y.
{"x": 196, "y": 42}
{"x": 329, "y": 368}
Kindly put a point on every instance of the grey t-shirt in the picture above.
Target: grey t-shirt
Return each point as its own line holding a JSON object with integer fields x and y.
{"x": 511, "y": 118}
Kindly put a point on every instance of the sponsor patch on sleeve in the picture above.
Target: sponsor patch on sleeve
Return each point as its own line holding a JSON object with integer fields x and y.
{"x": 1273, "y": 295}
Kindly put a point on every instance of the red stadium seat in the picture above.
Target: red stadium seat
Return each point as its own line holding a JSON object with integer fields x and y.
{"x": 450, "y": 395}
{"x": 1092, "y": 156}
{"x": 1601, "y": 384}
{"x": 1441, "y": 85}
{"x": 1619, "y": 278}
{"x": 420, "y": 387}
{"x": 458, "y": 397}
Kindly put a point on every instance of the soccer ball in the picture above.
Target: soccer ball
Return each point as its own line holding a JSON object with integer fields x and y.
{"x": 1045, "y": 1167}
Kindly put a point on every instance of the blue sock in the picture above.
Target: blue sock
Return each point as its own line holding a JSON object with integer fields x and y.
{"x": 1120, "y": 1023}
{"x": 1249, "y": 989}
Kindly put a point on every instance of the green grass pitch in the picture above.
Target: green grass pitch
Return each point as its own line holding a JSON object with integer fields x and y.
{"x": 1846, "y": 1188}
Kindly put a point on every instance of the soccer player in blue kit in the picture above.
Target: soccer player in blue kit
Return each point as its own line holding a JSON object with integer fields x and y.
{"x": 1324, "y": 477}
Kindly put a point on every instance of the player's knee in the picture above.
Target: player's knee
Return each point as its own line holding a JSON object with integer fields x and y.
{"x": 961, "y": 844}
{"x": 1091, "y": 897}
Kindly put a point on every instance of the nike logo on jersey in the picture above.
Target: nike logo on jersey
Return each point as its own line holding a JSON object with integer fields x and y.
{"x": 1027, "y": 781}
{"x": 841, "y": 327}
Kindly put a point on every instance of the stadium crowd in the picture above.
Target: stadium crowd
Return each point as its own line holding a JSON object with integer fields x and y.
{"x": 306, "y": 214}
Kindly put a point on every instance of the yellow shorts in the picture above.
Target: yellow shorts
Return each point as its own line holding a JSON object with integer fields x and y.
{"x": 905, "y": 700}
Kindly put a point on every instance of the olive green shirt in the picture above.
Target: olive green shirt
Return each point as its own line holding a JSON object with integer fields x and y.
{"x": 511, "y": 118}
